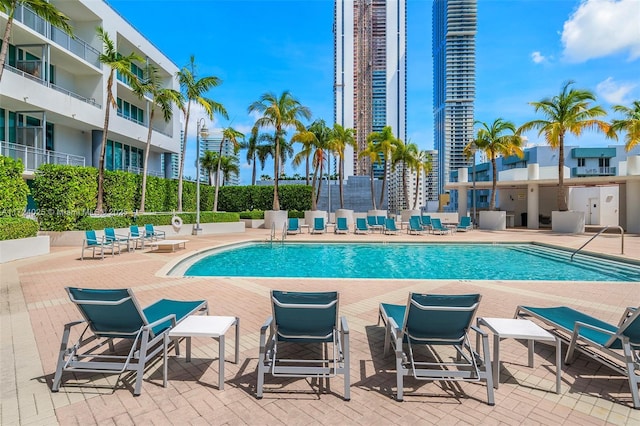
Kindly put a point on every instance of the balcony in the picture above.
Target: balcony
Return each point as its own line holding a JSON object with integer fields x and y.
{"x": 32, "y": 157}
{"x": 593, "y": 171}
{"x": 31, "y": 71}
{"x": 74, "y": 45}
{"x": 139, "y": 170}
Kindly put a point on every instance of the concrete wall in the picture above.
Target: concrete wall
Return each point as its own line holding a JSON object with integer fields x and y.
{"x": 23, "y": 248}
{"x": 600, "y": 204}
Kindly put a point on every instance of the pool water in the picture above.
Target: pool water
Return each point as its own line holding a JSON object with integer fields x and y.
{"x": 410, "y": 261}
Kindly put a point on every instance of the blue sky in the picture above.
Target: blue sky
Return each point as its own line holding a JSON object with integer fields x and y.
{"x": 526, "y": 49}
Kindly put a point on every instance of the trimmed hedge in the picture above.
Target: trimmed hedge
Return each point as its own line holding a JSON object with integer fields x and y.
{"x": 13, "y": 228}
{"x": 247, "y": 198}
{"x": 124, "y": 221}
{"x": 13, "y": 189}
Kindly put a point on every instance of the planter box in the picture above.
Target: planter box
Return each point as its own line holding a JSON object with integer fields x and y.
{"x": 277, "y": 217}
{"x": 345, "y": 213}
{"x": 253, "y": 223}
{"x": 406, "y": 214}
{"x": 570, "y": 222}
{"x": 23, "y": 248}
{"x": 493, "y": 220}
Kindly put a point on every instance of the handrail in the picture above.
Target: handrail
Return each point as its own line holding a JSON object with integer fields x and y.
{"x": 600, "y": 232}
{"x": 284, "y": 232}
{"x": 273, "y": 231}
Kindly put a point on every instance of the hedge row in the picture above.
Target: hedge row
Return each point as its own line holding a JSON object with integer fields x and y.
{"x": 12, "y": 228}
{"x": 13, "y": 189}
{"x": 124, "y": 221}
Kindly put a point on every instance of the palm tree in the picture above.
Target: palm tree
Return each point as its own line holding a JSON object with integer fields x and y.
{"x": 385, "y": 142}
{"x": 252, "y": 152}
{"x": 229, "y": 134}
{"x": 570, "y": 111}
{"x": 630, "y": 124}
{"x": 339, "y": 140}
{"x": 404, "y": 154}
{"x": 424, "y": 165}
{"x": 279, "y": 112}
{"x": 43, "y": 9}
{"x": 372, "y": 153}
{"x": 122, "y": 64}
{"x": 209, "y": 162}
{"x": 161, "y": 97}
{"x": 193, "y": 90}
{"x": 228, "y": 166}
{"x": 495, "y": 140}
{"x": 315, "y": 141}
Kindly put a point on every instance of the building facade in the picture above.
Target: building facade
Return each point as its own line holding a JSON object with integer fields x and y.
{"x": 454, "y": 77}
{"x": 212, "y": 143}
{"x": 53, "y": 94}
{"x": 370, "y": 73}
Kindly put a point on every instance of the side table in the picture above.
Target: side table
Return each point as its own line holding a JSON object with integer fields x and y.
{"x": 509, "y": 328}
{"x": 205, "y": 326}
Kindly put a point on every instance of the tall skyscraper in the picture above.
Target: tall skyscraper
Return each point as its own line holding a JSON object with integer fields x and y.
{"x": 454, "y": 82}
{"x": 370, "y": 72}
{"x": 212, "y": 143}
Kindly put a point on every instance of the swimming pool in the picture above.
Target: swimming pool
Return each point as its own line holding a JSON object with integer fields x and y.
{"x": 475, "y": 261}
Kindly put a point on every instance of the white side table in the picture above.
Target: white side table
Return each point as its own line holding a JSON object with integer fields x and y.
{"x": 206, "y": 326}
{"x": 508, "y": 328}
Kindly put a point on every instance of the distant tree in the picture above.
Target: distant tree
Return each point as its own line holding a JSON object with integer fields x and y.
{"x": 315, "y": 141}
{"x": 228, "y": 167}
{"x": 339, "y": 139}
{"x": 385, "y": 142}
{"x": 424, "y": 165}
{"x": 570, "y": 111}
{"x": 231, "y": 135}
{"x": 209, "y": 162}
{"x": 373, "y": 155}
{"x": 630, "y": 124}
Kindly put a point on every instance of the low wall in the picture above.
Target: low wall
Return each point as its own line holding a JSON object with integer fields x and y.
{"x": 75, "y": 238}
{"x": 23, "y": 248}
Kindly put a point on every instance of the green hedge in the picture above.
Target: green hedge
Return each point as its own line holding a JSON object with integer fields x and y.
{"x": 121, "y": 191}
{"x": 13, "y": 228}
{"x": 13, "y": 189}
{"x": 296, "y": 213}
{"x": 124, "y": 221}
{"x": 247, "y": 198}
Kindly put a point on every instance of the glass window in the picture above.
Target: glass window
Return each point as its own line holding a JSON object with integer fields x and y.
{"x": 49, "y": 137}
{"x": 117, "y": 156}
{"x": 108, "y": 160}
{"x": 581, "y": 162}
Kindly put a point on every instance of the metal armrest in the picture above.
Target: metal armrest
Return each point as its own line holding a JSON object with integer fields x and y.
{"x": 343, "y": 325}
{"x": 579, "y": 325}
{"x": 479, "y": 331}
{"x": 170, "y": 317}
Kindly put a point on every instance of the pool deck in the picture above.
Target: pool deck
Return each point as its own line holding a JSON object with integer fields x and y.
{"x": 34, "y": 308}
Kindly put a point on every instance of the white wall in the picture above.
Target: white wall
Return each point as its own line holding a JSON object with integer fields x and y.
{"x": 600, "y": 204}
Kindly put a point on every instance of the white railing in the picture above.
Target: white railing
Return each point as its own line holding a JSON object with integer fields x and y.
{"x": 139, "y": 170}
{"x": 32, "y": 157}
{"x": 595, "y": 171}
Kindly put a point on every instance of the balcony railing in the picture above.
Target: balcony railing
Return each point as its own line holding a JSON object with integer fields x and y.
{"x": 32, "y": 157}
{"x": 51, "y": 85}
{"x": 139, "y": 170}
{"x": 75, "y": 45}
{"x": 594, "y": 171}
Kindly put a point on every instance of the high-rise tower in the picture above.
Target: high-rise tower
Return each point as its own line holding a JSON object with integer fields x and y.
{"x": 370, "y": 72}
{"x": 454, "y": 82}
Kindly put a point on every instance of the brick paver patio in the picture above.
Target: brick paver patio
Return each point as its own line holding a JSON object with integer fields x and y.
{"x": 35, "y": 307}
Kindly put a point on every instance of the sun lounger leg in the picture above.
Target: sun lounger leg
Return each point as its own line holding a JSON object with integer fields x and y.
{"x": 399, "y": 370}
{"x": 631, "y": 372}
{"x": 63, "y": 348}
{"x": 347, "y": 360}
{"x": 141, "y": 363}
{"x": 487, "y": 367}
{"x": 261, "y": 357}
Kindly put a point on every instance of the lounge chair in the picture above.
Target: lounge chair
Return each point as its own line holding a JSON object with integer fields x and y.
{"x": 415, "y": 227}
{"x": 91, "y": 241}
{"x": 294, "y": 226}
{"x": 616, "y": 346}
{"x": 372, "y": 222}
{"x": 361, "y": 226}
{"x": 152, "y": 233}
{"x": 438, "y": 228}
{"x": 426, "y": 222}
{"x": 465, "y": 224}
{"x": 436, "y": 321}
{"x": 115, "y": 314}
{"x": 380, "y": 221}
{"x": 110, "y": 236}
{"x": 304, "y": 318}
{"x": 341, "y": 226}
{"x": 318, "y": 226}
{"x": 137, "y": 237}
{"x": 390, "y": 227}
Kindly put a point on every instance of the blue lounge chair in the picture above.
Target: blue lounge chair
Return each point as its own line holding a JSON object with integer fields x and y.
{"x": 380, "y": 221}
{"x": 152, "y": 233}
{"x": 294, "y": 226}
{"x": 110, "y": 236}
{"x": 91, "y": 241}
{"x": 318, "y": 226}
{"x": 616, "y": 346}
{"x": 115, "y": 314}
{"x": 361, "y": 226}
{"x": 438, "y": 228}
{"x": 372, "y": 222}
{"x": 304, "y": 318}
{"x": 465, "y": 224}
{"x": 436, "y": 321}
{"x": 415, "y": 227}
{"x": 341, "y": 226}
{"x": 390, "y": 227}
{"x": 137, "y": 237}
{"x": 426, "y": 222}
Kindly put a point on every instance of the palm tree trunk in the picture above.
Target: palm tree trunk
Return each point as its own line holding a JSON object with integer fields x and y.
{"x": 492, "y": 204}
{"x": 276, "y": 164}
{"x": 183, "y": 152}
{"x": 253, "y": 172}
{"x": 103, "y": 148}
{"x": 562, "y": 191}
{"x": 314, "y": 196}
{"x": 340, "y": 176}
{"x": 307, "y": 170}
{"x": 143, "y": 190}
{"x": 215, "y": 199}
{"x": 415, "y": 198}
{"x": 320, "y": 182}
{"x": 373, "y": 192}
{"x": 5, "y": 39}
{"x": 384, "y": 180}
{"x": 405, "y": 190}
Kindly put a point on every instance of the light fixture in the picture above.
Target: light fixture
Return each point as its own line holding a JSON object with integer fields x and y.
{"x": 201, "y": 130}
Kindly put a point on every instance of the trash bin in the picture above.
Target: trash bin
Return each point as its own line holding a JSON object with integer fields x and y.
{"x": 523, "y": 218}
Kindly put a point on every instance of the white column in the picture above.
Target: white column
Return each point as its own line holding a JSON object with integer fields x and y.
{"x": 463, "y": 176}
{"x": 533, "y": 196}
{"x": 633, "y": 196}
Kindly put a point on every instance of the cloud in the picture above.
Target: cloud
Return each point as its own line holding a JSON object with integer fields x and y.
{"x": 614, "y": 92}
{"x": 600, "y": 28}
{"x": 197, "y": 113}
{"x": 537, "y": 57}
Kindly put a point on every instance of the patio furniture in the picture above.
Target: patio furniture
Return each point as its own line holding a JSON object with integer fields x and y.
{"x": 168, "y": 245}
{"x": 91, "y": 241}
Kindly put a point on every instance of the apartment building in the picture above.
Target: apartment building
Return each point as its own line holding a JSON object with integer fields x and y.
{"x": 53, "y": 94}
{"x": 212, "y": 143}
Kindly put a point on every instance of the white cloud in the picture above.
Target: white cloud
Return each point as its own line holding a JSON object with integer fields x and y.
{"x": 614, "y": 92}
{"x": 537, "y": 57}
{"x": 599, "y": 28}
{"x": 197, "y": 113}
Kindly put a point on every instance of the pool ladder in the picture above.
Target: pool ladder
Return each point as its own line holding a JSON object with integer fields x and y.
{"x": 600, "y": 232}
{"x": 272, "y": 235}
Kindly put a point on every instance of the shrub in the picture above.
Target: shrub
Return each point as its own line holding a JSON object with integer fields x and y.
{"x": 295, "y": 197}
{"x": 101, "y": 222}
{"x": 121, "y": 191}
{"x": 13, "y": 189}
{"x": 252, "y": 214}
{"x": 13, "y": 228}
{"x": 296, "y": 213}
